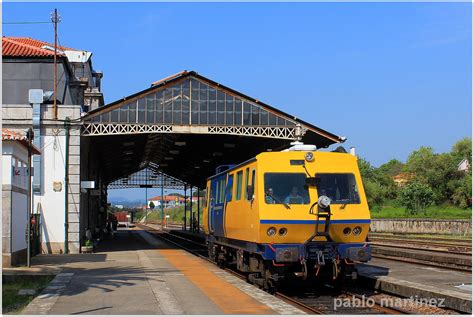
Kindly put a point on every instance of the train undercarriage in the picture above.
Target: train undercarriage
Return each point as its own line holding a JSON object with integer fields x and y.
{"x": 271, "y": 275}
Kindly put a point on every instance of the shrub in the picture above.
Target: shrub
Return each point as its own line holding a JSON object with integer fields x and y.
{"x": 416, "y": 197}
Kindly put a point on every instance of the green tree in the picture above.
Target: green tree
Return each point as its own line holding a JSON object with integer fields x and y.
{"x": 462, "y": 150}
{"x": 434, "y": 170}
{"x": 392, "y": 167}
{"x": 378, "y": 185}
{"x": 416, "y": 197}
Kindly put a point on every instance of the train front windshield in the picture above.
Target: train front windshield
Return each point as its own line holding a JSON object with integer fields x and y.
{"x": 286, "y": 188}
{"x": 340, "y": 188}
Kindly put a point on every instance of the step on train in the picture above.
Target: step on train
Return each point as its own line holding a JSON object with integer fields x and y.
{"x": 298, "y": 214}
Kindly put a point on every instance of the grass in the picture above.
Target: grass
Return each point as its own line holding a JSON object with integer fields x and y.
{"x": 176, "y": 214}
{"x": 432, "y": 212}
{"x": 12, "y": 303}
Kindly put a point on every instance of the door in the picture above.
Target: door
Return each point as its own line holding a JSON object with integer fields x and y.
{"x": 217, "y": 205}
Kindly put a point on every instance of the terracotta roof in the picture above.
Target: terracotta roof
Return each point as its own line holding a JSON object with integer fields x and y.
{"x": 8, "y": 135}
{"x": 167, "y": 198}
{"x": 28, "y": 47}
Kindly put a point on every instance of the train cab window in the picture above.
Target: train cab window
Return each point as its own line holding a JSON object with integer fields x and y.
{"x": 340, "y": 188}
{"x": 286, "y": 188}
{"x": 238, "y": 186}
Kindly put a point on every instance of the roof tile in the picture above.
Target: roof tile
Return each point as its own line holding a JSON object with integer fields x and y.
{"x": 28, "y": 47}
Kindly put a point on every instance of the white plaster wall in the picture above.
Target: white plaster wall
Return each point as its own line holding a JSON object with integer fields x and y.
{"x": 6, "y": 169}
{"x": 19, "y": 221}
{"x": 51, "y": 202}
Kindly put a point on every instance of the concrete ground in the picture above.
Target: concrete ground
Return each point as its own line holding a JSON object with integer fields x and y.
{"x": 419, "y": 281}
{"x": 134, "y": 273}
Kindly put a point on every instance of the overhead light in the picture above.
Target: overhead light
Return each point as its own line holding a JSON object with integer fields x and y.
{"x": 217, "y": 154}
{"x": 229, "y": 145}
{"x": 169, "y": 158}
{"x": 164, "y": 165}
{"x": 174, "y": 152}
{"x": 197, "y": 166}
{"x": 128, "y": 143}
{"x": 128, "y": 152}
{"x": 206, "y": 161}
{"x": 180, "y": 143}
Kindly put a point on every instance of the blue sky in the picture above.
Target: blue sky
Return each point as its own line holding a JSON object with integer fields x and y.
{"x": 389, "y": 76}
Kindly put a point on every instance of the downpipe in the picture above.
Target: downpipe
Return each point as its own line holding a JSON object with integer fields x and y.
{"x": 67, "y": 127}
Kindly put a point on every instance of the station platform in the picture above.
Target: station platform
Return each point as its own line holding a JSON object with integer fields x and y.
{"x": 136, "y": 274}
{"x": 421, "y": 282}
{"x": 407, "y": 279}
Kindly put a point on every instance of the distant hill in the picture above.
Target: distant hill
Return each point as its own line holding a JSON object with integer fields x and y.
{"x": 126, "y": 203}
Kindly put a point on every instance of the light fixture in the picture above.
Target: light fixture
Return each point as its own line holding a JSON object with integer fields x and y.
{"x": 324, "y": 201}
{"x": 229, "y": 145}
{"x": 206, "y": 161}
{"x": 128, "y": 143}
{"x": 271, "y": 231}
{"x": 174, "y": 152}
{"x": 357, "y": 230}
{"x": 179, "y": 143}
{"x": 309, "y": 157}
{"x": 169, "y": 158}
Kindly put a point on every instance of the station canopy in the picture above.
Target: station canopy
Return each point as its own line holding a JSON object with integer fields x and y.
{"x": 186, "y": 125}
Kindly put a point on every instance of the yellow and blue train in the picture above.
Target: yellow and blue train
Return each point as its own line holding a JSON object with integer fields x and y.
{"x": 299, "y": 213}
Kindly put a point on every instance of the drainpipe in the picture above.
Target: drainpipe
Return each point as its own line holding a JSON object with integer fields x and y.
{"x": 30, "y": 136}
{"x": 67, "y": 126}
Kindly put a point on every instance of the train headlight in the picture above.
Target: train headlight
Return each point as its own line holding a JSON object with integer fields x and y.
{"x": 271, "y": 231}
{"x": 357, "y": 230}
{"x": 346, "y": 231}
{"x": 309, "y": 157}
{"x": 324, "y": 201}
{"x": 282, "y": 231}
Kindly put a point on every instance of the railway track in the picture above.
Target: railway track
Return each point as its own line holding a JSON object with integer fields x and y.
{"x": 441, "y": 240}
{"x": 446, "y": 247}
{"x": 447, "y": 255}
{"x": 321, "y": 301}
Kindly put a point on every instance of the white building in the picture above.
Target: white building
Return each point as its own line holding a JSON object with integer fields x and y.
{"x": 14, "y": 197}
{"x": 463, "y": 166}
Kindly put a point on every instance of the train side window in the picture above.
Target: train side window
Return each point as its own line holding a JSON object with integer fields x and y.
{"x": 246, "y": 183}
{"x": 221, "y": 190}
{"x": 206, "y": 197}
{"x": 252, "y": 186}
{"x": 238, "y": 186}
{"x": 230, "y": 184}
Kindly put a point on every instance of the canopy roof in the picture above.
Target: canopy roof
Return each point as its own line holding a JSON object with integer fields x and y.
{"x": 188, "y": 125}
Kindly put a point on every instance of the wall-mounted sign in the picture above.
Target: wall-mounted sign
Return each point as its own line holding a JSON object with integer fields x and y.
{"x": 57, "y": 186}
{"x": 21, "y": 171}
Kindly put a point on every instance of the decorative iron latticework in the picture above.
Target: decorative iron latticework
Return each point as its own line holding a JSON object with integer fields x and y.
{"x": 206, "y": 107}
{"x": 148, "y": 177}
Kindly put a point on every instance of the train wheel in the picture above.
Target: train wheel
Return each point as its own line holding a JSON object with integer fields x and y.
{"x": 211, "y": 252}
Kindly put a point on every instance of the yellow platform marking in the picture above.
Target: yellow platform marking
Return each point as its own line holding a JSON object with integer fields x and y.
{"x": 227, "y": 297}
